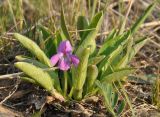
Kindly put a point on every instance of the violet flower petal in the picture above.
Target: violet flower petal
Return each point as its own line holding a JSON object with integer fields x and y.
{"x": 65, "y": 47}
{"x": 64, "y": 64}
{"x": 74, "y": 60}
{"x": 64, "y": 57}
{"x": 55, "y": 58}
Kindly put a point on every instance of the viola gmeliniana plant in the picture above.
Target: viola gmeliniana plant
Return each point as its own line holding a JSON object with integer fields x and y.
{"x": 76, "y": 69}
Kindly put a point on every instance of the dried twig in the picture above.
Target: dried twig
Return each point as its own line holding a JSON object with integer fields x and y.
{"x": 11, "y": 93}
{"x": 150, "y": 24}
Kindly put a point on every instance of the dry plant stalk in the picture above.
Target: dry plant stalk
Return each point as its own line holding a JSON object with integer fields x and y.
{"x": 156, "y": 93}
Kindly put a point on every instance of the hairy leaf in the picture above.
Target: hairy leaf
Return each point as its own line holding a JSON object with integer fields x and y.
{"x": 90, "y": 35}
{"x": 117, "y": 75}
{"x": 40, "y": 76}
{"x": 82, "y": 24}
{"x": 33, "y": 48}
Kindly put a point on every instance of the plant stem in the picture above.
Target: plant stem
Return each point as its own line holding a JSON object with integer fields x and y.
{"x": 77, "y": 94}
{"x": 65, "y": 83}
{"x": 57, "y": 95}
{"x": 71, "y": 92}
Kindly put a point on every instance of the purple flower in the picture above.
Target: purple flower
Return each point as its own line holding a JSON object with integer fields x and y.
{"x": 64, "y": 56}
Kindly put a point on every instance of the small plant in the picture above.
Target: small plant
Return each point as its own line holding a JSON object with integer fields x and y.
{"x": 73, "y": 70}
{"x": 111, "y": 98}
{"x": 156, "y": 93}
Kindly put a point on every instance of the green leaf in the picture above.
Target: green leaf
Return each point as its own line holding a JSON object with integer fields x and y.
{"x": 104, "y": 90}
{"x": 114, "y": 99}
{"x": 64, "y": 27}
{"x": 113, "y": 55}
{"x": 58, "y": 38}
{"x": 37, "y": 114}
{"x": 40, "y": 40}
{"x": 51, "y": 71}
{"x": 82, "y": 24}
{"x": 117, "y": 75}
{"x": 80, "y": 71}
{"x": 138, "y": 45}
{"x": 27, "y": 79}
{"x": 96, "y": 60}
{"x": 138, "y": 23}
{"x": 109, "y": 92}
{"x": 107, "y": 61}
{"x": 124, "y": 59}
{"x": 111, "y": 98}
{"x": 95, "y": 24}
{"x": 111, "y": 36}
{"x": 121, "y": 107}
{"x": 92, "y": 73}
{"x": 40, "y": 76}
{"x": 113, "y": 44}
{"x": 30, "y": 60}
{"x": 90, "y": 35}
{"x": 79, "y": 74}
{"x": 33, "y": 48}
{"x": 50, "y": 43}
{"x": 108, "y": 40}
